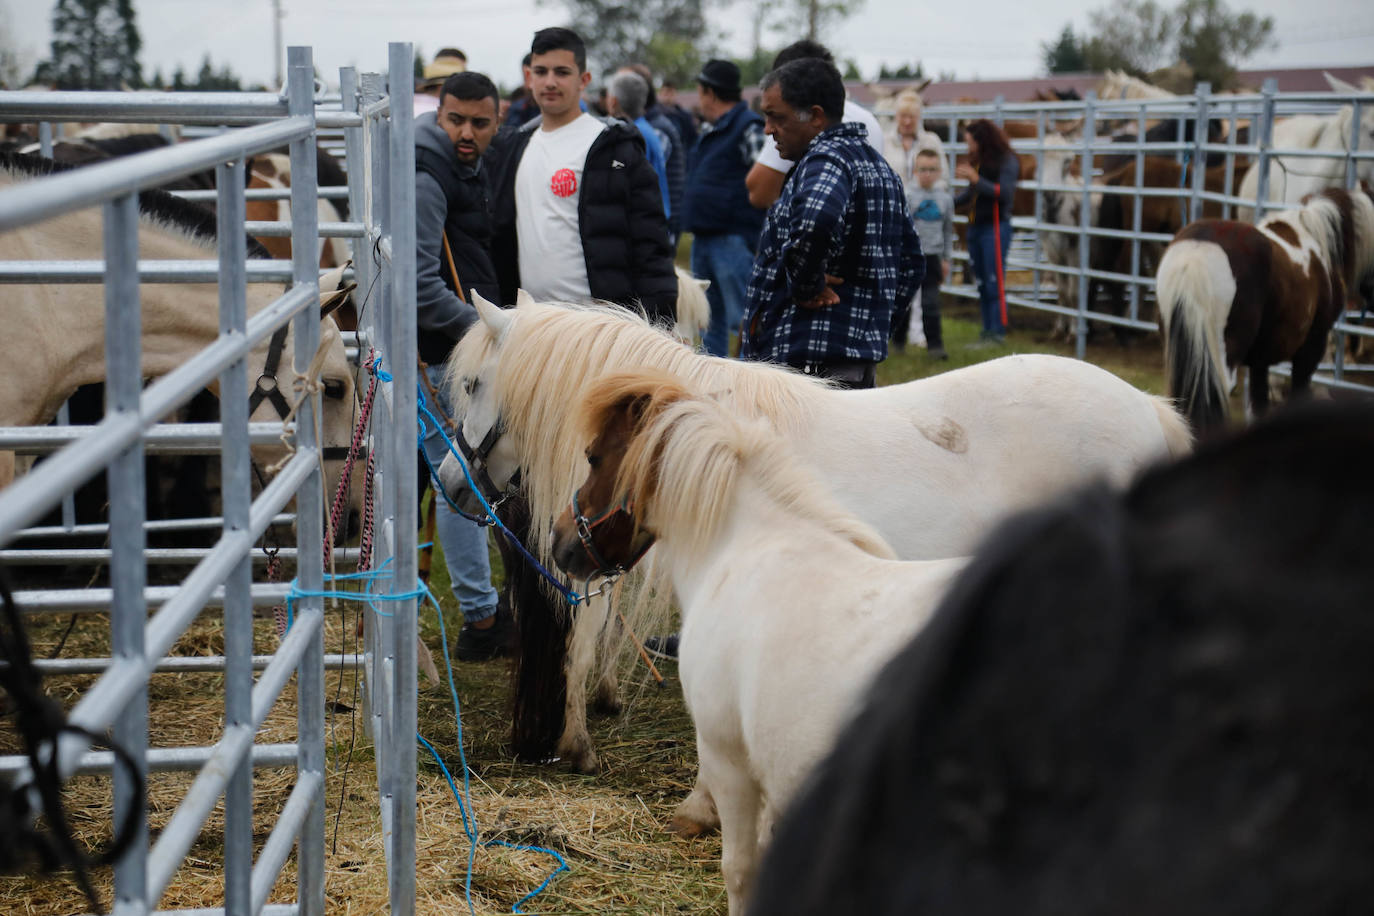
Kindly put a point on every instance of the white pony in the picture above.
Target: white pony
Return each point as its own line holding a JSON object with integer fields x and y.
{"x": 1292, "y": 178}
{"x": 53, "y": 340}
{"x": 790, "y": 605}
{"x": 693, "y": 308}
{"x": 931, "y": 464}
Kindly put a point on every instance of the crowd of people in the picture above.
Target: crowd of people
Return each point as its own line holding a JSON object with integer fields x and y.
{"x": 822, "y": 238}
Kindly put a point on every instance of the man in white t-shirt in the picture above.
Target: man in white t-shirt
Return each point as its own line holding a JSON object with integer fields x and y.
{"x": 765, "y": 179}
{"x": 577, "y": 209}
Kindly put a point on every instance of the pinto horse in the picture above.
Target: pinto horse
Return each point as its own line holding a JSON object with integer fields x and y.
{"x": 53, "y": 342}
{"x": 789, "y": 603}
{"x": 1231, "y": 295}
{"x": 931, "y": 464}
{"x": 1154, "y": 701}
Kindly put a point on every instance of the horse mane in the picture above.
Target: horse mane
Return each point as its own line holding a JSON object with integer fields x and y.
{"x": 157, "y": 207}
{"x": 689, "y": 454}
{"x": 550, "y": 352}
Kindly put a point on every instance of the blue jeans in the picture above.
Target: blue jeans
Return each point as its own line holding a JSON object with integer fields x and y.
{"x": 982, "y": 252}
{"x": 464, "y": 542}
{"x": 727, "y": 262}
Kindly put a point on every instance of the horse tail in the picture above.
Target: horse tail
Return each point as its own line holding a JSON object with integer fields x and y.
{"x": 542, "y": 626}
{"x": 1178, "y": 436}
{"x": 1195, "y": 289}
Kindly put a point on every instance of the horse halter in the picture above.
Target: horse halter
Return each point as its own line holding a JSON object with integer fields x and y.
{"x": 586, "y": 529}
{"x": 267, "y": 388}
{"x": 476, "y": 458}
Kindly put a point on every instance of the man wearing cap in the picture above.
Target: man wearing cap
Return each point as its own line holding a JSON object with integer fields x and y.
{"x": 838, "y": 250}
{"x": 428, "y": 88}
{"x": 715, "y": 204}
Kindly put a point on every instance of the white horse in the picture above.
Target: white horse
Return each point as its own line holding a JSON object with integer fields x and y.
{"x": 790, "y": 604}
{"x": 693, "y": 308}
{"x": 931, "y": 464}
{"x": 1292, "y": 178}
{"x": 53, "y": 341}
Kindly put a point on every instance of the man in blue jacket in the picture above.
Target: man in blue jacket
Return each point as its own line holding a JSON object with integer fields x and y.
{"x": 452, "y": 204}
{"x": 725, "y": 229}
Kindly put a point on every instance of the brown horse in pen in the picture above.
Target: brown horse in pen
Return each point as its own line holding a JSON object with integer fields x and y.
{"x": 1231, "y": 295}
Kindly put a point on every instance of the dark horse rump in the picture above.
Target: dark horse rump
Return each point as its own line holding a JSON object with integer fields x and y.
{"x": 1150, "y": 702}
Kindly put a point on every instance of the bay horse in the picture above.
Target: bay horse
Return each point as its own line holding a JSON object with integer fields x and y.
{"x": 1154, "y": 701}
{"x": 54, "y": 338}
{"x": 1231, "y": 295}
{"x": 931, "y": 464}
{"x": 790, "y": 604}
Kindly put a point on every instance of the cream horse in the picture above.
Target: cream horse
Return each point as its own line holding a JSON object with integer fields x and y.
{"x": 1292, "y": 178}
{"x": 54, "y": 333}
{"x": 790, "y": 604}
{"x": 693, "y": 308}
{"x": 931, "y": 464}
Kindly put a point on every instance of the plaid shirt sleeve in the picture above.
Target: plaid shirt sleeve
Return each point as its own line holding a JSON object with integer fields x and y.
{"x": 818, "y": 218}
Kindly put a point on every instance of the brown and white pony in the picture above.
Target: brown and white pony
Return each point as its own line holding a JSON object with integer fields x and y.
{"x": 1231, "y": 295}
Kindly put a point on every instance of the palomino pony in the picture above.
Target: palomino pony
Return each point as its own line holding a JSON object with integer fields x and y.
{"x": 1231, "y": 295}
{"x": 1148, "y": 702}
{"x": 790, "y": 604}
{"x": 1291, "y": 178}
{"x": 54, "y": 341}
{"x": 930, "y": 464}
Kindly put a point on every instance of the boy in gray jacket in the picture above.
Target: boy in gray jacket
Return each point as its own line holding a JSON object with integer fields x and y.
{"x": 932, "y": 210}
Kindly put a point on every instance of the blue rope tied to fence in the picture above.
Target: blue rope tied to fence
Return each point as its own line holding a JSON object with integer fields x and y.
{"x": 465, "y": 798}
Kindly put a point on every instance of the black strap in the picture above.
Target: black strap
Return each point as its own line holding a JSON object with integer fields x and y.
{"x": 267, "y": 387}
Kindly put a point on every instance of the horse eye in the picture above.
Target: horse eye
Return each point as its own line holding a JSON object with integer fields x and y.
{"x": 469, "y": 386}
{"x": 333, "y": 388}
{"x": 594, "y": 461}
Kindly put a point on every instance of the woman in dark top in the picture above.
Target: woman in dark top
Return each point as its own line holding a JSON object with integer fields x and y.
{"x": 992, "y": 178}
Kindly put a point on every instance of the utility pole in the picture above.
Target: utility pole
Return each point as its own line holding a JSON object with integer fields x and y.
{"x": 277, "y": 52}
{"x": 813, "y": 15}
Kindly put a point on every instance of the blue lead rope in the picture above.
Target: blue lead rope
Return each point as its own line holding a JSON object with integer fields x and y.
{"x": 465, "y": 798}
{"x": 490, "y": 519}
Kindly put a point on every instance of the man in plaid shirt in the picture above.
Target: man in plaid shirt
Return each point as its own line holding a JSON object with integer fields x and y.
{"x": 838, "y": 250}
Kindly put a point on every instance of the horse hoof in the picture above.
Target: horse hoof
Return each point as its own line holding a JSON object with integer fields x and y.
{"x": 587, "y": 764}
{"x": 607, "y": 705}
{"x": 689, "y": 829}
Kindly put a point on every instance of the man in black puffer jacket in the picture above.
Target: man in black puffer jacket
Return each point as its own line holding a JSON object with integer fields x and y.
{"x": 577, "y": 210}
{"x": 452, "y": 202}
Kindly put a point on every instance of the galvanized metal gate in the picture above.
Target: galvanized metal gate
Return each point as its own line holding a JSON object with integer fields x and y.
{"x": 1036, "y": 233}
{"x": 380, "y": 158}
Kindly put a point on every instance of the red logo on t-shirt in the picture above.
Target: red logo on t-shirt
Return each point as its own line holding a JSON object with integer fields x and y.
{"x": 564, "y": 183}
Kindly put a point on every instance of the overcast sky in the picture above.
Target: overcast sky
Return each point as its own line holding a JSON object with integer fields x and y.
{"x": 992, "y": 38}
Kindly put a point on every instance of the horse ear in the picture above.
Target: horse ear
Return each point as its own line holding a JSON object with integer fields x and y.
{"x": 332, "y": 279}
{"x": 1337, "y": 84}
{"x": 922, "y": 86}
{"x": 331, "y": 300}
{"x": 523, "y": 298}
{"x": 495, "y": 317}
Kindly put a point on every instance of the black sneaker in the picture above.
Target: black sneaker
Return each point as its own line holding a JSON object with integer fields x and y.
{"x": 476, "y": 645}
{"x": 662, "y": 646}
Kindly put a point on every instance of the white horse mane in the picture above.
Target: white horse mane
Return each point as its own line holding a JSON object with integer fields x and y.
{"x": 684, "y": 466}
{"x": 550, "y": 352}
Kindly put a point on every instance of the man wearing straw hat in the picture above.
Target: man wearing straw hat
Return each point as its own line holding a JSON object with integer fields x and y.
{"x": 452, "y": 258}
{"x": 446, "y": 63}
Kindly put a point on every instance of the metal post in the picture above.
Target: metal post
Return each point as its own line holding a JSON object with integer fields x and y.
{"x": 1350, "y": 162}
{"x": 998, "y": 102}
{"x": 1266, "y": 140}
{"x": 129, "y": 610}
{"x": 1137, "y": 204}
{"x": 1039, "y": 203}
{"x": 237, "y": 498}
{"x": 1199, "y": 156}
{"x": 403, "y": 348}
{"x": 300, "y": 87}
{"x": 1226, "y": 208}
{"x": 1084, "y": 224}
{"x": 45, "y": 139}
{"x": 353, "y": 145}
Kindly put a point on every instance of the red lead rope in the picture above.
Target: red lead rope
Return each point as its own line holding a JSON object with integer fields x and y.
{"x": 341, "y": 493}
{"x": 997, "y": 246}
